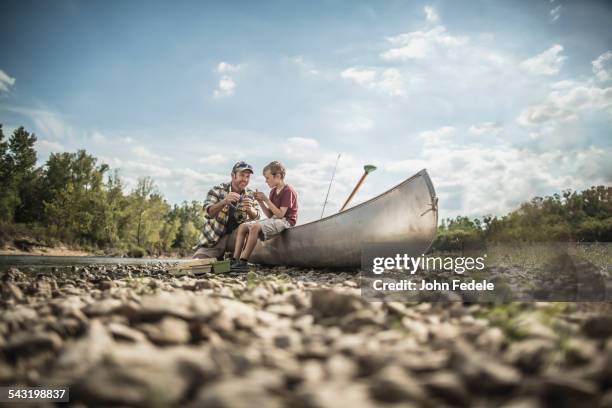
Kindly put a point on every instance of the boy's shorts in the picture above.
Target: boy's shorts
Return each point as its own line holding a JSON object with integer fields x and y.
{"x": 271, "y": 227}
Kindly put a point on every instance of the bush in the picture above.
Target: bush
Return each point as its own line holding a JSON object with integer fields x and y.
{"x": 136, "y": 252}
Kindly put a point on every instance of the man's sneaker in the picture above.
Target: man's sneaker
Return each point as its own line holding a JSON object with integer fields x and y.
{"x": 239, "y": 265}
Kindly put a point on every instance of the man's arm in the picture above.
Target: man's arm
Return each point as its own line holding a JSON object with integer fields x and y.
{"x": 214, "y": 204}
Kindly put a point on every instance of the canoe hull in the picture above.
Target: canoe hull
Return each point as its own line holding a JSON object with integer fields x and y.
{"x": 405, "y": 214}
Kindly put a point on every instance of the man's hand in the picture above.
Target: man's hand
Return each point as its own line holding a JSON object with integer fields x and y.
{"x": 246, "y": 203}
{"x": 231, "y": 198}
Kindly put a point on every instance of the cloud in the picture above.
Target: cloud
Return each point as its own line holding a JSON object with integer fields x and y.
{"x": 226, "y": 87}
{"x": 486, "y": 128}
{"x": 144, "y": 153}
{"x": 303, "y": 142}
{"x": 548, "y": 62}
{"x": 437, "y": 136}
{"x": 476, "y": 180}
{"x": 555, "y": 13}
{"x": 50, "y": 146}
{"x": 431, "y": 15}
{"x": 299, "y": 146}
{"x": 6, "y": 81}
{"x": 304, "y": 65}
{"x": 213, "y": 159}
{"x": 388, "y": 81}
{"x": 226, "y": 68}
{"x": 357, "y": 124}
{"x": 351, "y": 117}
{"x": 602, "y": 67}
{"x": 359, "y": 76}
{"x": 46, "y": 123}
{"x": 420, "y": 44}
{"x": 565, "y": 102}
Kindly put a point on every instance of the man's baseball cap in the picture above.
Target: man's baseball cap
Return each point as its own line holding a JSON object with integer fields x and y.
{"x": 242, "y": 166}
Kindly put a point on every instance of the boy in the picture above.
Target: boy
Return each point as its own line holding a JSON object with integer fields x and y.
{"x": 281, "y": 208}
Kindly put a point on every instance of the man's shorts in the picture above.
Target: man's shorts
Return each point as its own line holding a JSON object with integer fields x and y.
{"x": 225, "y": 244}
{"x": 271, "y": 227}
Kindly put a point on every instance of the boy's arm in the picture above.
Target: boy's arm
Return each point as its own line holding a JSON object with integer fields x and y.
{"x": 266, "y": 210}
{"x": 279, "y": 212}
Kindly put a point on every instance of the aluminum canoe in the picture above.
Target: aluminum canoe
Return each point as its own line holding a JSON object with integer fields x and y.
{"x": 406, "y": 214}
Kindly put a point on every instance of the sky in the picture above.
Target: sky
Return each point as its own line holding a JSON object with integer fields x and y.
{"x": 500, "y": 101}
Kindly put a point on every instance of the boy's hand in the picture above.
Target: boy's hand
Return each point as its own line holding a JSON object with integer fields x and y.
{"x": 259, "y": 196}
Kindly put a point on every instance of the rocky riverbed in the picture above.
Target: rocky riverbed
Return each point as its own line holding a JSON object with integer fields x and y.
{"x": 138, "y": 336}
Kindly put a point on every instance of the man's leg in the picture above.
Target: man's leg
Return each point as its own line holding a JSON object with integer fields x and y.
{"x": 251, "y": 241}
{"x": 216, "y": 251}
{"x": 203, "y": 253}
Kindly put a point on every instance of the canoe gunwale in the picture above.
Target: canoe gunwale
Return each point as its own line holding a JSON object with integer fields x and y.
{"x": 422, "y": 173}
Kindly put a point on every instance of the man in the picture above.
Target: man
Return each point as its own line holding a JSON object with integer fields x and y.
{"x": 226, "y": 206}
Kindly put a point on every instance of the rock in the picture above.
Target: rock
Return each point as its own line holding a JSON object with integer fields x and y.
{"x": 481, "y": 371}
{"x": 303, "y": 323}
{"x": 236, "y": 393}
{"x": 356, "y": 321}
{"x": 103, "y": 307}
{"x": 491, "y": 339}
{"x": 328, "y": 395}
{"x": 341, "y": 368}
{"x": 168, "y": 331}
{"x": 285, "y": 309}
{"x": 579, "y": 351}
{"x": 599, "y": 326}
{"x": 19, "y": 316}
{"x": 522, "y": 402}
{"x": 425, "y": 362}
{"x": 13, "y": 274}
{"x": 287, "y": 340}
{"x": 393, "y": 384}
{"x": 43, "y": 288}
{"x": 565, "y": 391}
{"x": 106, "y": 285}
{"x": 125, "y": 333}
{"x": 26, "y": 343}
{"x": 79, "y": 356}
{"x": 11, "y": 291}
{"x": 606, "y": 400}
{"x": 530, "y": 355}
{"x": 7, "y": 376}
{"x": 331, "y": 303}
{"x": 313, "y": 372}
{"x": 417, "y": 329}
{"x": 155, "y": 307}
{"x": 447, "y": 386}
{"x": 531, "y": 325}
{"x": 142, "y": 375}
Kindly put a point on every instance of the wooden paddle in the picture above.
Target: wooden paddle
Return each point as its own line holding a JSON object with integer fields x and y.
{"x": 367, "y": 169}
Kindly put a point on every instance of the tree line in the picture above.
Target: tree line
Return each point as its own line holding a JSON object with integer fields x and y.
{"x": 74, "y": 200}
{"x": 584, "y": 216}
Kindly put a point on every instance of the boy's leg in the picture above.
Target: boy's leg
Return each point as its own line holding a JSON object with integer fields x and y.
{"x": 241, "y": 233}
{"x": 251, "y": 240}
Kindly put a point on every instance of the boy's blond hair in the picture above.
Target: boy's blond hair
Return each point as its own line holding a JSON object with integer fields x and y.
{"x": 275, "y": 168}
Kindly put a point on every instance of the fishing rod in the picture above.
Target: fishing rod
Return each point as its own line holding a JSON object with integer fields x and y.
{"x": 330, "y": 184}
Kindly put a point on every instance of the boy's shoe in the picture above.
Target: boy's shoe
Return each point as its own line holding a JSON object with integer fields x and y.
{"x": 239, "y": 265}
